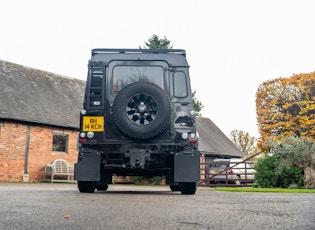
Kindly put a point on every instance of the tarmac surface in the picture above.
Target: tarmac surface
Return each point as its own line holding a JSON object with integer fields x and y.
{"x": 61, "y": 206}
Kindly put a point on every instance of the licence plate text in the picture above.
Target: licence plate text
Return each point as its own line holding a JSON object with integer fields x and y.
{"x": 93, "y": 123}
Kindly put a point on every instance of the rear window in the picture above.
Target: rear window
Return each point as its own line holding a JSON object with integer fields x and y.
{"x": 124, "y": 75}
{"x": 180, "y": 84}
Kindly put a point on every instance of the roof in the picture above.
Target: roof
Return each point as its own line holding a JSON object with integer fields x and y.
{"x": 152, "y": 51}
{"x": 213, "y": 141}
{"x": 174, "y": 57}
{"x": 41, "y": 97}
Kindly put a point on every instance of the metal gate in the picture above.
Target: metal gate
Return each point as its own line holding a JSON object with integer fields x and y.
{"x": 221, "y": 173}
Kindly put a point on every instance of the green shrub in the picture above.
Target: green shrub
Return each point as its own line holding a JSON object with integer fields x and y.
{"x": 272, "y": 171}
{"x": 266, "y": 176}
{"x": 290, "y": 175}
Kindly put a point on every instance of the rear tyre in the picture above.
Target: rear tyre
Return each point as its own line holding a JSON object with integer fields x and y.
{"x": 102, "y": 187}
{"x": 86, "y": 186}
{"x": 188, "y": 188}
{"x": 175, "y": 188}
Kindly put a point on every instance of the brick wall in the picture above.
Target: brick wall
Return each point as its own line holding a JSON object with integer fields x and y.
{"x": 13, "y": 136}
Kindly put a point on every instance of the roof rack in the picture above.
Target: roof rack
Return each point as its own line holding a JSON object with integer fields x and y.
{"x": 139, "y": 51}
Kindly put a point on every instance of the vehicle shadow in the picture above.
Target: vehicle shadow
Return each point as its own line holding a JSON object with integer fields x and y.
{"x": 137, "y": 192}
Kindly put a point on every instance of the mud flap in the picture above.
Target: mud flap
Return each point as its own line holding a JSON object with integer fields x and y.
{"x": 88, "y": 168}
{"x": 187, "y": 166}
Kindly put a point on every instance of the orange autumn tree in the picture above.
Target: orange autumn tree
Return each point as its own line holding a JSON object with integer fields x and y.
{"x": 286, "y": 107}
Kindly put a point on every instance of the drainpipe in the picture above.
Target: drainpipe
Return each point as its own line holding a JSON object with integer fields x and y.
{"x": 27, "y": 142}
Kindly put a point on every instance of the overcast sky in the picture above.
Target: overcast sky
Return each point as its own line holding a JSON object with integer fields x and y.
{"x": 232, "y": 46}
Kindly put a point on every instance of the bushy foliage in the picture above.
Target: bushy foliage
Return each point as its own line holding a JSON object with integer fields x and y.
{"x": 271, "y": 171}
{"x": 290, "y": 177}
{"x": 285, "y": 107}
{"x": 198, "y": 106}
{"x": 265, "y": 176}
{"x": 244, "y": 142}
{"x": 297, "y": 151}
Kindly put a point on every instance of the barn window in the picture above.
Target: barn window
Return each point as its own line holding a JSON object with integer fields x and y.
{"x": 60, "y": 142}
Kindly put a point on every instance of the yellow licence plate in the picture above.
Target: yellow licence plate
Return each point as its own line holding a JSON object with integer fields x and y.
{"x": 93, "y": 123}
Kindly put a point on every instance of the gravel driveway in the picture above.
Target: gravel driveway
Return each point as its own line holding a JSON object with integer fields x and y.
{"x": 61, "y": 206}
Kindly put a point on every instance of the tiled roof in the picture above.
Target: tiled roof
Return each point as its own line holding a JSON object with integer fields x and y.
{"x": 41, "y": 97}
{"x": 213, "y": 141}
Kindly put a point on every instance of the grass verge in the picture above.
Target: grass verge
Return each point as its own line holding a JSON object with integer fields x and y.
{"x": 280, "y": 190}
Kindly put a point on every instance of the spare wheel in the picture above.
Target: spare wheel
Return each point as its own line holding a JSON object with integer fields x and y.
{"x": 142, "y": 110}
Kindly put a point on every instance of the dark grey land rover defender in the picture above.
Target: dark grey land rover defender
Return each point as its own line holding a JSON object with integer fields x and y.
{"x": 138, "y": 120}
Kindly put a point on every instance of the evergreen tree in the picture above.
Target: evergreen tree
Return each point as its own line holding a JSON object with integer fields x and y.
{"x": 155, "y": 42}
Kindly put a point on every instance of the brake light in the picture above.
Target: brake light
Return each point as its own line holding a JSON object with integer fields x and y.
{"x": 82, "y": 140}
{"x": 231, "y": 171}
{"x": 193, "y": 138}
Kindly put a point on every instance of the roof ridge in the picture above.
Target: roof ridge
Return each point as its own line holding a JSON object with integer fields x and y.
{"x": 36, "y": 69}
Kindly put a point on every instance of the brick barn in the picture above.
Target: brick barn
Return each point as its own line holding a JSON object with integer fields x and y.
{"x": 39, "y": 117}
{"x": 39, "y": 122}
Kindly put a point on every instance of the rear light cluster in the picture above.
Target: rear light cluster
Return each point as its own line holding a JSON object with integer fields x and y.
{"x": 192, "y": 137}
{"x": 231, "y": 171}
{"x": 83, "y": 136}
